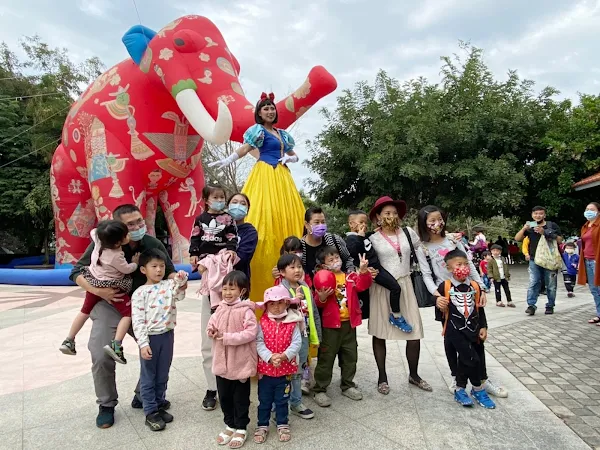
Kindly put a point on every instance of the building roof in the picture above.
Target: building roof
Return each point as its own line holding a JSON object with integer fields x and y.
{"x": 588, "y": 182}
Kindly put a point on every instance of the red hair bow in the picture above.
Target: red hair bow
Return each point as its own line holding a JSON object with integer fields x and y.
{"x": 264, "y": 96}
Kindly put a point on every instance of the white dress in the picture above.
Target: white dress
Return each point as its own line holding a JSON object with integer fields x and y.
{"x": 380, "y": 309}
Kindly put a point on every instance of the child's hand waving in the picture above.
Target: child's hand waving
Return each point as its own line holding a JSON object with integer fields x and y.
{"x": 136, "y": 258}
{"x": 364, "y": 263}
{"x": 300, "y": 293}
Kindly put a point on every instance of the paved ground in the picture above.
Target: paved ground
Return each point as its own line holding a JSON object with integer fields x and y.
{"x": 47, "y": 399}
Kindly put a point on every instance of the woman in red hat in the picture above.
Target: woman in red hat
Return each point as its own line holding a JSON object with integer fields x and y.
{"x": 393, "y": 249}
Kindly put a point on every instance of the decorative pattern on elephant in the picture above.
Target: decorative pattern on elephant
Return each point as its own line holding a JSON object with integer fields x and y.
{"x": 55, "y": 196}
{"x": 180, "y": 245}
{"x": 111, "y": 77}
{"x": 150, "y": 216}
{"x": 102, "y": 212}
{"x": 82, "y": 220}
{"x": 140, "y": 198}
{"x": 188, "y": 186}
{"x": 178, "y": 145}
{"x": 121, "y": 109}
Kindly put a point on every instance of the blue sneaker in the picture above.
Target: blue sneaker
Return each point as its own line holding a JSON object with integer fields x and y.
{"x": 461, "y": 396}
{"x": 483, "y": 399}
{"x": 400, "y": 322}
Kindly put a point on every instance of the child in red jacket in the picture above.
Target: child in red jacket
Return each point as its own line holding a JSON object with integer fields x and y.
{"x": 340, "y": 315}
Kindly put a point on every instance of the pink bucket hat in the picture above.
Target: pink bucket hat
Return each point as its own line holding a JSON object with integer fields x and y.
{"x": 275, "y": 294}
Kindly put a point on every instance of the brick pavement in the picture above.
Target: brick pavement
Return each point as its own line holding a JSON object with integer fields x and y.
{"x": 557, "y": 360}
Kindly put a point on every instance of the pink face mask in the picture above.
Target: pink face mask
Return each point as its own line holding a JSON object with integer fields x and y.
{"x": 462, "y": 272}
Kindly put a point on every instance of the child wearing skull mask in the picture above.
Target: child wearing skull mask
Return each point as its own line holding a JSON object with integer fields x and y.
{"x": 465, "y": 328}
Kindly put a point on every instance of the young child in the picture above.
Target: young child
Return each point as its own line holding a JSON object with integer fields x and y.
{"x": 108, "y": 269}
{"x": 358, "y": 243}
{"x": 214, "y": 230}
{"x": 341, "y": 314}
{"x": 500, "y": 274}
{"x": 278, "y": 343}
{"x": 154, "y": 316}
{"x": 571, "y": 260}
{"x": 233, "y": 328}
{"x": 483, "y": 269}
{"x": 465, "y": 328}
{"x": 290, "y": 267}
{"x": 291, "y": 245}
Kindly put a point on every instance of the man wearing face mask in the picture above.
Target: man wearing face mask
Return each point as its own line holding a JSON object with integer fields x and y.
{"x": 317, "y": 237}
{"x": 105, "y": 317}
{"x": 535, "y": 230}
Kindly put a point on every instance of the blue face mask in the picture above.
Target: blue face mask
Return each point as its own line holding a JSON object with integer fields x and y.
{"x": 217, "y": 206}
{"x": 138, "y": 234}
{"x": 237, "y": 211}
{"x": 590, "y": 215}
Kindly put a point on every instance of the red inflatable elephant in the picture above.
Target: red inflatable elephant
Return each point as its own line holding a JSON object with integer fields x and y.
{"x": 136, "y": 134}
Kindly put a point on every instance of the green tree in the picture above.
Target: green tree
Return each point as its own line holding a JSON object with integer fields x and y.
{"x": 464, "y": 144}
{"x": 35, "y": 96}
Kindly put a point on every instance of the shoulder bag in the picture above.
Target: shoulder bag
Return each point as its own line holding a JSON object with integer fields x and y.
{"x": 424, "y": 298}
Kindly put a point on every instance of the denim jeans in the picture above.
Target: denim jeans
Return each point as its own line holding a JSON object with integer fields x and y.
{"x": 590, "y": 270}
{"x": 536, "y": 274}
{"x": 296, "y": 394}
{"x": 155, "y": 372}
{"x": 273, "y": 390}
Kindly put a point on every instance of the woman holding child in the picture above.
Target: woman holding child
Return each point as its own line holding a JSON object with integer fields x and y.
{"x": 393, "y": 249}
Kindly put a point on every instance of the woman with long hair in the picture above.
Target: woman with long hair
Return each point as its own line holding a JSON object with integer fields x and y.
{"x": 431, "y": 223}
{"x": 277, "y": 210}
{"x": 589, "y": 261}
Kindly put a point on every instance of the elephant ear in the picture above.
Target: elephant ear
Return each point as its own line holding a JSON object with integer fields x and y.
{"x": 136, "y": 41}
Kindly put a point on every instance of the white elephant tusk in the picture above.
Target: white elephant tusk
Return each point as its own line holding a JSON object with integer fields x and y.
{"x": 191, "y": 106}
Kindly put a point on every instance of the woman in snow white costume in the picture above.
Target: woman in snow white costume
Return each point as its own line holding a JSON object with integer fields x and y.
{"x": 277, "y": 209}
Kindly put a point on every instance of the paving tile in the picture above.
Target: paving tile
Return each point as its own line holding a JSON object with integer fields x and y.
{"x": 539, "y": 350}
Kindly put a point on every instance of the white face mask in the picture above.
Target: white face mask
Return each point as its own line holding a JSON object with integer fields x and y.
{"x": 277, "y": 316}
{"x": 570, "y": 250}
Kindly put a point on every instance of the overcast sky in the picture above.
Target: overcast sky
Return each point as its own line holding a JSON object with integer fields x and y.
{"x": 553, "y": 42}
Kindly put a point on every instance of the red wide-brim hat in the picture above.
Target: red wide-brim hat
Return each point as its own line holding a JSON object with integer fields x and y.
{"x": 385, "y": 201}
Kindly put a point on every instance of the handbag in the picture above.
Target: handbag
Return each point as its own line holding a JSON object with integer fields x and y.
{"x": 547, "y": 254}
{"x": 424, "y": 298}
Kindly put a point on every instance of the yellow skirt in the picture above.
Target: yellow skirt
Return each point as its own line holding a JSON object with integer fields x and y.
{"x": 277, "y": 212}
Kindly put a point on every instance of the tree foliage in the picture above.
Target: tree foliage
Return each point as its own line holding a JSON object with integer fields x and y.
{"x": 473, "y": 145}
{"x": 35, "y": 95}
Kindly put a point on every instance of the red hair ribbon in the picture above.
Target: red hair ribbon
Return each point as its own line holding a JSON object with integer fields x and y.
{"x": 264, "y": 96}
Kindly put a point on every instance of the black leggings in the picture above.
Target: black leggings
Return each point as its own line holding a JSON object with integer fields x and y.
{"x": 413, "y": 352}
{"x": 466, "y": 359}
{"x": 387, "y": 281}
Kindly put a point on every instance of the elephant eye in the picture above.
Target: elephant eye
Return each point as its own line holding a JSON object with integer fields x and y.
{"x": 186, "y": 41}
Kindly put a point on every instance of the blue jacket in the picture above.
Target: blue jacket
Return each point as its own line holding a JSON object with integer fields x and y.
{"x": 247, "y": 240}
{"x": 572, "y": 262}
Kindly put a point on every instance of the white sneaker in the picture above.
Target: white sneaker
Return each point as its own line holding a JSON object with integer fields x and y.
{"x": 353, "y": 394}
{"x": 452, "y": 387}
{"x": 495, "y": 390}
{"x": 322, "y": 399}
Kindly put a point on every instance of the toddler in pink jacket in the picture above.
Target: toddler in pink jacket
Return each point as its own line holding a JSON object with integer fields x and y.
{"x": 233, "y": 328}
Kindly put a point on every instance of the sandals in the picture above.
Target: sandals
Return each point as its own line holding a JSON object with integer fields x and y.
{"x": 238, "y": 439}
{"x": 421, "y": 384}
{"x": 511, "y": 305}
{"x": 595, "y": 320}
{"x": 284, "y": 433}
{"x": 383, "y": 388}
{"x": 500, "y": 304}
{"x": 224, "y": 438}
{"x": 260, "y": 435}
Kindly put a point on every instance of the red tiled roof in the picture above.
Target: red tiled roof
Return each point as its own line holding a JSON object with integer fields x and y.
{"x": 588, "y": 180}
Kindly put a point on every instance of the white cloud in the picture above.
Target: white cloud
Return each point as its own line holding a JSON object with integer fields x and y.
{"x": 555, "y": 43}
